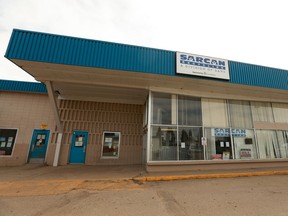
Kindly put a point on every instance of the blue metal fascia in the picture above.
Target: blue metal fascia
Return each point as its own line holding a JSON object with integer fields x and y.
{"x": 255, "y": 75}
{"x": 20, "y": 86}
{"x": 50, "y": 48}
{"x": 43, "y": 47}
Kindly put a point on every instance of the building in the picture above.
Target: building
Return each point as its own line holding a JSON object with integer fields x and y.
{"x": 121, "y": 104}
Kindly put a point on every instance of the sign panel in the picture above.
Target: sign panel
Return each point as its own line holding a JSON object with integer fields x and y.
{"x": 225, "y": 132}
{"x": 198, "y": 65}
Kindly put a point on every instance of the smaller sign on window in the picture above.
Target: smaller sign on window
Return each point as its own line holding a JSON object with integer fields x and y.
{"x": 226, "y": 156}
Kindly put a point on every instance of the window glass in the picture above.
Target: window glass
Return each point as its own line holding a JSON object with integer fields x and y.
{"x": 189, "y": 111}
{"x": 282, "y": 137}
{"x": 219, "y": 146}
{"x": 244, "y": 144}
{"x": 240, "y": 114}
{"x": 280, "y": 111}
{"x": 214, "y": 112}
{"x": 162, "y": 108}
{"x": 190, "y": 147}
{"x": 268, "y": 144}
{"x": 7, "y": 140}
{"x": 163, "y": 143}
{"x": 262, "y": 112}
{"x": 111, "y": 144}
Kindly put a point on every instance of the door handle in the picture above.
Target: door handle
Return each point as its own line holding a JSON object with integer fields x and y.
{"x": 84, "y": 148}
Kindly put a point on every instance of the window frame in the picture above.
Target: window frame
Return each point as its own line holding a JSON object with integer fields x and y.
{"x": 14, "y": 143}
{"x": 118, "y": 149}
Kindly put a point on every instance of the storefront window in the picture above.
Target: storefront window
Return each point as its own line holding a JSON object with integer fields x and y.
{"x": 232, "y": 129}
{"x": 262, "y": 112}
{"x": 282, "y": 137}
{"x": 268, "y": 144}
{"x": 190, "y": 147}
{"x": 280, "y": 111}
{"x": 111, "y": 144}
{"x": 230, "y": 143}
{"x": 240, "y": 114}
{"x": 189, "y": 111}
{"x": 162, "y": 111}
{"x": 7, "y": 140}
{"x": 163, "y": 143}
{"x": 214, "y": 113}
{"x": 219, "y": 146}
{"x": 244, "y": 144}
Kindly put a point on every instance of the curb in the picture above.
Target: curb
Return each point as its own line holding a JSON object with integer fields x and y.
{"x": 207, "y": 176}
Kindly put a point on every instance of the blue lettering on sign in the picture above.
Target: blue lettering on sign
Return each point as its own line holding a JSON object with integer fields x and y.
{"x": 224, "y": 132}
{"x": 204, "y": 62}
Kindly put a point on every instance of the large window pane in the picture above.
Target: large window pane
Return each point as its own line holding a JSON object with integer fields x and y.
{"x": 214, "y": 113}
{"x": 280, "y": 111}
{"x": 190, "y": 147}
{"x": 111, "y": 144}
{"x": 162, "y": 109}
{"x": 189, "y": 111}
{"x": 163, "y": 143}
{"x": 240, "y": 114}
{"x": 244, "y": 144}
{"x": 283, "y": 143}
{"x": 7, "y": 140}
{"x": 219, "y": 146}
{"x": 262, "y": 112}
{"x": 268, "y": 144}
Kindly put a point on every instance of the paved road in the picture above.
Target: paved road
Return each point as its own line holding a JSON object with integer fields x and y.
{"x": 253, "y": 196}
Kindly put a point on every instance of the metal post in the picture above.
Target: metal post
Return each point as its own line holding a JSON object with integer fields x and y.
{"x": 53, "y": 103}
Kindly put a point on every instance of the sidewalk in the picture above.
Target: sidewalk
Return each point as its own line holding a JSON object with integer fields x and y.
{"x": 34, "y": 179}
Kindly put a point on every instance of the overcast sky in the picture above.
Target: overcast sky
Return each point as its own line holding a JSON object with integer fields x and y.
{"x": 251, "y": 31}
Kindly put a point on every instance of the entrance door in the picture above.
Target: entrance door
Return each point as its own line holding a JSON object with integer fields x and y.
{"x": 223, "y": 147}
{"x": 78, "y": 147}
{"x": 39, "y": 144}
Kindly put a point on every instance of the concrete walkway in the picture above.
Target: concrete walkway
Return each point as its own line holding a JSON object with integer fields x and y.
{"x": 33, "y": 179}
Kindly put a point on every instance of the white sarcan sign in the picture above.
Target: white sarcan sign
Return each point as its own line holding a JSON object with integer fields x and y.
{"x": 198, "y": 65}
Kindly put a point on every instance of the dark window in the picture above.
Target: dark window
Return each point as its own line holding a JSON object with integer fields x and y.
{"x": 7, "y": 140}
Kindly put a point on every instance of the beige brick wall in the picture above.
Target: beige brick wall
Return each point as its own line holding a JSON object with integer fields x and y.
{"x": 26, "y": 112}
{"x": 96, "y": 117}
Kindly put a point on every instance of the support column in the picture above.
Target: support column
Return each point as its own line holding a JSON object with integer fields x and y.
{"x": 53, "y": 103}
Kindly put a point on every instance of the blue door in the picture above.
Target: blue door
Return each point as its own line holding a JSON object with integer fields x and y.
{"x": 39, "y": 144}
{"x": 78, "y": 147}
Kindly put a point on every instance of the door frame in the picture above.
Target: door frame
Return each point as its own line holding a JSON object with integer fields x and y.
{"x": 30, "y": 145}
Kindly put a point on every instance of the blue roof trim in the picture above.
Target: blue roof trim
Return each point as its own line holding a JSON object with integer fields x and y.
{"x": 42, "y": 47}
{"x": 57, "y": 49}
{"x": 20, "y": 86}
{"x": 255, "y": 75}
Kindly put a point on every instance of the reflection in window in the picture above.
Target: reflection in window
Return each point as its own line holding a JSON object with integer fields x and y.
{"x": 7, "y": 140}
{"x": 164, "y": 143}
{"x": 268, "y": 145}
{"x": 282, "y": 137}
{"x": 190, "y": 147}
{"x": 189, "y": 111}
{"x": 162, "y": 108}
{"x": 111, "y": 144}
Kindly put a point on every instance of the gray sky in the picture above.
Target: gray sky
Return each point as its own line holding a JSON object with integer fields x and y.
{"x": 251, "y": 31}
